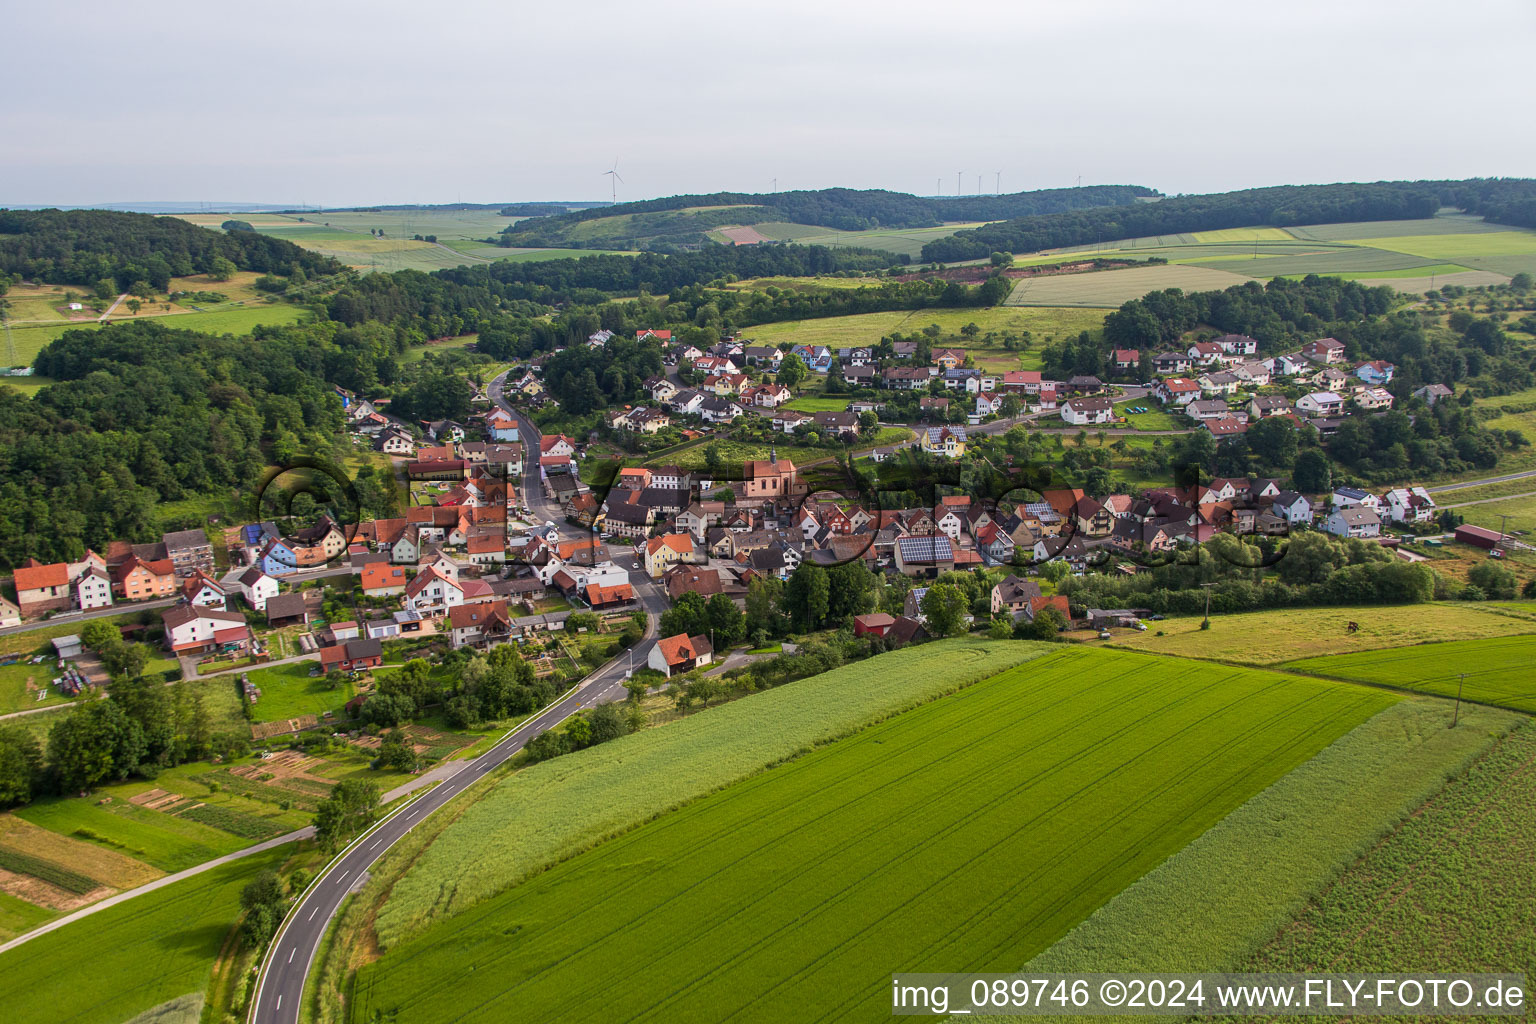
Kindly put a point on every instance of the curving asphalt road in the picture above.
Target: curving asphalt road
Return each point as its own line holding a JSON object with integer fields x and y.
{"x": 280, "y": 988}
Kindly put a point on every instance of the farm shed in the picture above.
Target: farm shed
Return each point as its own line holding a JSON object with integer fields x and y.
{"x": 1477, "y": 536}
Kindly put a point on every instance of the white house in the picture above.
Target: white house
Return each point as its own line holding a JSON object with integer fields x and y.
{"x": 1353, "y": 522}
{"x": 1085, "y": 411}
{"x": 1295, "y": 508}
{"x": 1353, "y": 497}
{"x": 432, "y": 593}
{"x": 1410, "y": 505}
{"x": 93, "y": 589}
{"x": 1320, "y": 403}
{"x": 256, "y": 586}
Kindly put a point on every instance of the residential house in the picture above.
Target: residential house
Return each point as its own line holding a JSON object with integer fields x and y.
{"x": 352, "y": 656}
{"x": 1374, "y": 398}
{"x": 1166, "y": 363}
{"x": 662, "y": 553}
{"x": 949, "y": 358}
{"x": 1022, "y": 382}
{"x": 1013, "y": 595}
{"x": 1377, "y": 371}
{"x": 10, "y": 613}
{"x": 925, "y": 555}
{"x": 92, "y": 588}
{"x": 1057, "y": 601}
{"x": 1253, "y": 373}
{"x": 479, "y": 625}
{"x": 766, "y": 356}
{"x": 395, "y": 442}
{"x": 681, "y": 653}
{"x": 1324, "y": 350}
{"x": 907, "y": 378}
{"x": 771, "y": 396}
{"x": 1176, "y": 391}
{"x": 1432, "y": 393}
{"x": 1351, "y": 497}
{"x": 787, "y": 420}
{"x": 817, "y": 358}
{"x": 625, "y": 518}
{"x": 946, "y": 441}
{"x": 1293, "y": 507}
{"x": 258, "y": 588}
{"x": 661, "y": 388}
{"x": 844, "y": 424}
{"x": 715, "y": 409}
{"x": 1088, "y": 411}
{"x": 1357, "y": 521}
{"x": 989, "y": 405}
{"x": 1205, "y": 353}
{"x": 189, "y": 551}
{"x": 204, "y": 591}
{"x": 192, "y": 629}
{"x": 432, "y": 593}
{"x": 1263, "y": 406}
{"x": 135, "y": 579}
{"x": 1219, "y": 382}
{"x": 1208, "y": 409}
{"x": 1225, "y": 426}
{"x": 1320, "y": 403}
{"x": 42, "y": 588}
{"x": 1238, "y": 344}
{"x": 1126, "y": 359}
{"x": 1410, "y": 505}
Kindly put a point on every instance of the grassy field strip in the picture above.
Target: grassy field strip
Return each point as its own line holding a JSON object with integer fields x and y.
{"x": 1213, "y": 903}
{"x": 104, "y": 866}
{"x": 132, "y": 957}
{"x": 1498, "y": 671}
{"x": 1451, "y": 886}
{"x": 1272, "y": 637}
{"x": 1521, "y": 511}
{"x": 1110, "y": 288}
{"x": 558, "y": 808}
{"x": 30, "y": 340}
{"x": 967, "y": 833}
{"x": 187, "y": 1009}
{"x": 1381, "y": 230}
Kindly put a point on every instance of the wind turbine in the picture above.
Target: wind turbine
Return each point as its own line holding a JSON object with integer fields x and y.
{"x": 958, "y": 186}
{"x": 614, "y": 180}
{"x": 999, "y": 185}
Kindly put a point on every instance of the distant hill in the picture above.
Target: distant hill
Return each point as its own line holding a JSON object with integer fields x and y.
{"x": 678, "y": 222}
{"x": 86, "y": 246}
{"x": 1512, "y": 199}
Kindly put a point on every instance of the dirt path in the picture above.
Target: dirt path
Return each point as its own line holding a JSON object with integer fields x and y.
{"x": 103, "y": 318}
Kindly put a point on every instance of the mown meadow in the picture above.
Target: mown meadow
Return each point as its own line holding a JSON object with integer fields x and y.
{"x": 1497, "y": 670}
{"x": 1450, "y": 888}
{"x": 1216, "y": 901}
{"x": 970, "y": 832}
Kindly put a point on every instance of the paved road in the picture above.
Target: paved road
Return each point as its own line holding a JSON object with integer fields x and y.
{"x": 1488, "y": 501}
{"x": 1458, "y": 485}
{"x": 533, "y": 490}
{"x": 281, "y": 986}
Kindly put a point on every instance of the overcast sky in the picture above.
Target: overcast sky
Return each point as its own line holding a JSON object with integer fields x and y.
{"x": 343, "y": 103}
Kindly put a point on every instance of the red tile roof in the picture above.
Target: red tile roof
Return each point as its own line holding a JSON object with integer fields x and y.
{"x": 37, "y": 577}
{"x": 681, "y": 648}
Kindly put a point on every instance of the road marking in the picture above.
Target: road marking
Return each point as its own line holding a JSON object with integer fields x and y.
{"x": 279, "y": 1003}
{"x": 344, "y": 875}
{"x": 312, "y": 914}
{"x": 292, "y": 951}
{"x": 376, "y": 842}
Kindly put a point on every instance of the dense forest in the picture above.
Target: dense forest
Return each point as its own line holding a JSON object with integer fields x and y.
{"x": 465, "y": 291}
{"x": 143, "y": 414}
{"x": 83, "y": 247}
{"x": 843, "y": 209}
{"x": 1279, "y": 206}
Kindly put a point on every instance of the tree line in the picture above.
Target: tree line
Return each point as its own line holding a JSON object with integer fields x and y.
{"x": 84, "y": 247}
{"x": 842, "y": 209}
{"x": 1277, "y": 206}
